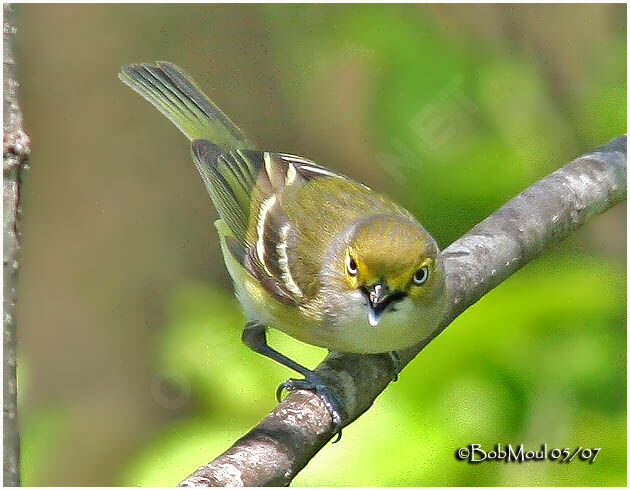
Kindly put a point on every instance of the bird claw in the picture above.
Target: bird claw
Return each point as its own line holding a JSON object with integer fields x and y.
{"x": 316, "y": 384}
{"x": 394, "y": 359}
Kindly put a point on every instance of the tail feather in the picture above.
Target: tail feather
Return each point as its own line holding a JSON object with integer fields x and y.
{"x": 177, "y": 97}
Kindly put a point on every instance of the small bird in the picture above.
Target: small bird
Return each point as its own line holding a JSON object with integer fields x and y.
{"x": 311, "y": 252}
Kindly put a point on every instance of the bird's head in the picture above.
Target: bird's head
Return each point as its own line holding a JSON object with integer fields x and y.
{"x": 387, "y": 263}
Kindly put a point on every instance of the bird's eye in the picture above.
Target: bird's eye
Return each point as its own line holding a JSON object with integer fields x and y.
{"x": 421, "y": 276}
{"x": 351, "y": 266}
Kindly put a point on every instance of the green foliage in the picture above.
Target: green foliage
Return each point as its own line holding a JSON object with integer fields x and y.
{"x": 451, "y": 110}
{"x": 40, "y": 433}
{"x": 538, "y": 360}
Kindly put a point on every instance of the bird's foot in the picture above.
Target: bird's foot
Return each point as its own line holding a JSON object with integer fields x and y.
{"x": 394, "y": 359}
{"x": 314, "y": 383}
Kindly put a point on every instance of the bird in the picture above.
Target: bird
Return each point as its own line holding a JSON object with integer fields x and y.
{"x": 310, "y": 251}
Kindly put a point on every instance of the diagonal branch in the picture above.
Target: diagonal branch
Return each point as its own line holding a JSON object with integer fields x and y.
{"x": 274, "y": 451}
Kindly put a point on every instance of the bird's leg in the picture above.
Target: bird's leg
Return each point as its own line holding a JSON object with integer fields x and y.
{"x": 254, "y": 336}
{"x": 394, "y": 359}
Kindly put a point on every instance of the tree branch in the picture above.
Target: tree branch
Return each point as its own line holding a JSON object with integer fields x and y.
{"x": 15, "y": 152}
{"x": 274, "y": 451}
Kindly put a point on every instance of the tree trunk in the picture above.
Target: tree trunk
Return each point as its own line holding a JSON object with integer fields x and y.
{"x": 16, "y": 151}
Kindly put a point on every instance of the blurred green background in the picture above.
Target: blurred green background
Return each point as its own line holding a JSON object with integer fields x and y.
{"x": 131, "y": 367}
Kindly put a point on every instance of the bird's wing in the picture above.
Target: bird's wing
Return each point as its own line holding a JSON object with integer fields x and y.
{"x": 247, "y": 188}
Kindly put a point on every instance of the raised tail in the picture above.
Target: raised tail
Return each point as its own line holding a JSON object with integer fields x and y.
{"x": 178, "y": 98}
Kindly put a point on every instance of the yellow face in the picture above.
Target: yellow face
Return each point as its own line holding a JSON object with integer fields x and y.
{"x": 395, "y": 252}
{"x": 391, "y": 261}
{"x": 387, "y": 273}
{"x": 412, "y": 277}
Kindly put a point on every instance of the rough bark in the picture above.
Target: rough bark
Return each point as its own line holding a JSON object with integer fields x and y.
{"x": 274, "y": 451}
{"x": 16, "y": 149}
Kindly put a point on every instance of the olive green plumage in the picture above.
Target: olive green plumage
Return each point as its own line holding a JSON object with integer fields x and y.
{"x": 311, "y": 252}
{"x": 177, "y": 97}
{"x": 289, "y": 219}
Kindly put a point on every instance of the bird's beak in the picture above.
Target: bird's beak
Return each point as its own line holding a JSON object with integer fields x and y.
{"x": 379, "y": 298}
